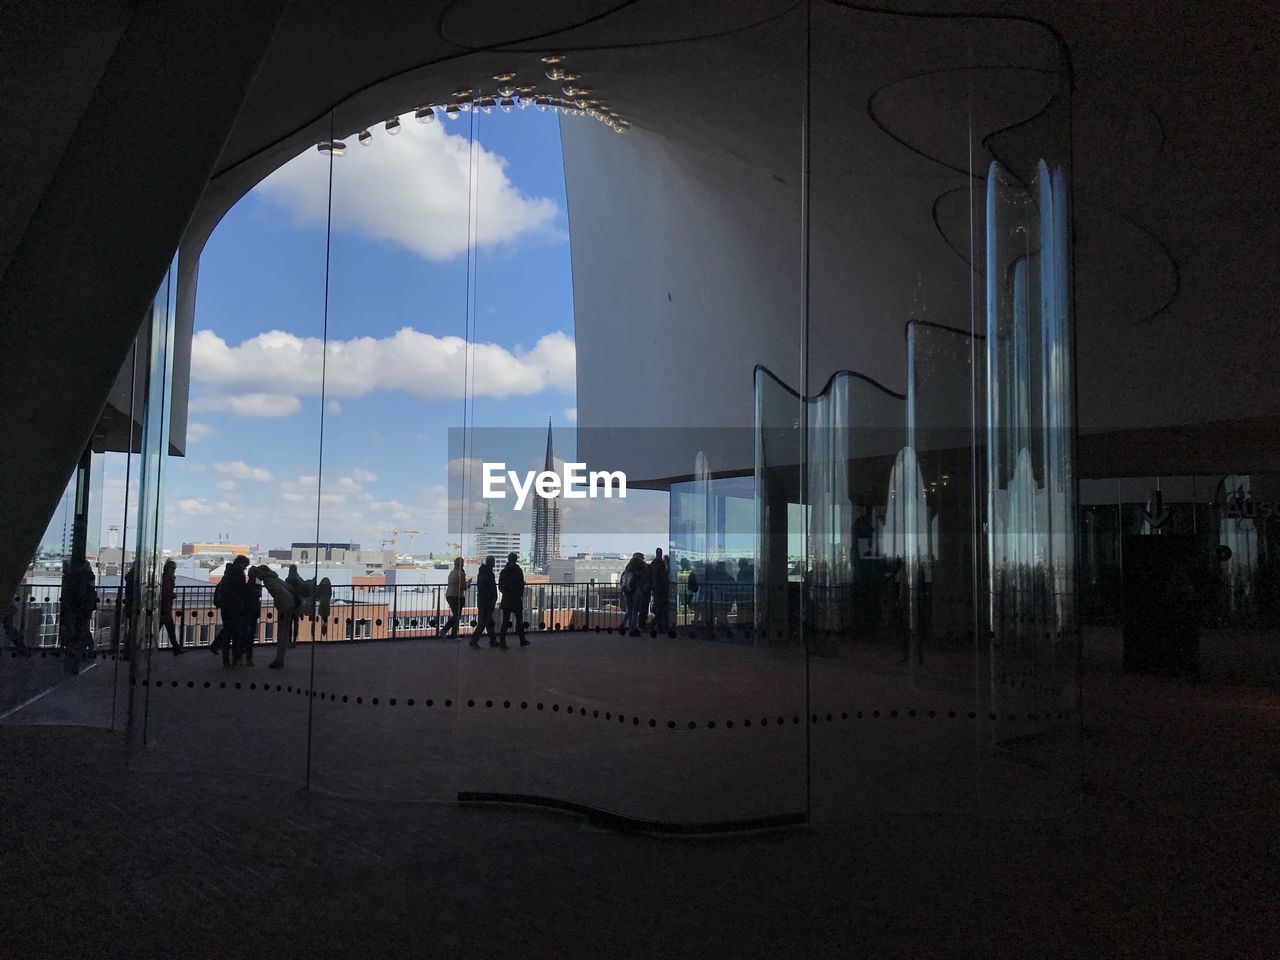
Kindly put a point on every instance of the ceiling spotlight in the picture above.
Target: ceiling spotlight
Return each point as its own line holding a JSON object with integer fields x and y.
{"x": 569, "y": 77}
{"x": 504, "y": 77}
{"x": 424, "y": 114}
{"x": 393, "y": 126}
{"x": 555, "y": 73}
{"x": 542, "y": 101}
{"x": 506, "y": 90}
{"x": 485, "y": 104}
{"x": 526, "y": 89}
{"x": 553, "y": 59}
{"x": 365, "y": 138}
{"x": 506, "y": 103}
{"x": 452, "y": 111}
{"x": 332, "y": 147}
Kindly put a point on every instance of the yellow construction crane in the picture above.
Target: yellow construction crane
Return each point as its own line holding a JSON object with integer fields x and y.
{"x": 395, "y": 538}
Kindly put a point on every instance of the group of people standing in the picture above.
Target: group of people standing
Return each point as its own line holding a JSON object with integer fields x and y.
{"x": 238, "y": 598}
{"x": 509, "y": 582}
{"x": 642, "y": 584}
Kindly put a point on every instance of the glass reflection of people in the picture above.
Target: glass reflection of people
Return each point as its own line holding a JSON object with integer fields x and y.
{"x": 511, "y": 583}
{"x": 78, "y": 600}
{"x": 168, "y": 592}
{"x": 132, "y": 601}
{"x": 282, "y": 597}
{"x": 659, "y": 585}
{"x": 692, "y": 587}
{"x": 454, "y": 591}
{"x": 486, "y": 600}
{"x": 11, "y": 631}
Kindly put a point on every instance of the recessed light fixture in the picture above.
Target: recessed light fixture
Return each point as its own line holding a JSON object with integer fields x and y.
{"x": 365, "y": 138}
{"x": 424, "y": 114}
{"x": 334, "y": 148}
{"x": 393, "y": 126}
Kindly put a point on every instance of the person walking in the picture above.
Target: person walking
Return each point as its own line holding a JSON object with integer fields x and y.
{"x": 659, "y": 588}
{"x": 511, "y": 583}
{"x": 282, "y": 596}
{"x": 486, "y": 600}
{"x": 454, "y": 591}
{"x": 168, "y": 591}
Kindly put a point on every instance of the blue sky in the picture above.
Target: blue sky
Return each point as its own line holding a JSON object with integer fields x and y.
{"x": 398, "y": 286}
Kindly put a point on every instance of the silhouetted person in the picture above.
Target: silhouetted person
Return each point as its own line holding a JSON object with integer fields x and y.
{"x": 659, "y": 586}
{"x": 634, "y": 584}
{"x": 324, "y": 596}
{"x": 168, "y": 591}
{"x": 454, "y": 591}
{"x": 282, "y": 596}
{"x": 11, "y": 631}
{"x": 486, "y": 600}
{"x": 301, "y": 591}
{"x": 691, "y": 587}
{"x": 250, "y": 613}
{"x": 228, "y": 597}
{"x": 511, "y": 583}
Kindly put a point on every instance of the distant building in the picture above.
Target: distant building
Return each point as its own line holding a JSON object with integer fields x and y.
{"x": 603, "y": 570}
{"x": 228, "y": 550}
{"x": 361, "y": 562}
{"x": 546, "y": 519}
{"x": 493, "y": 538}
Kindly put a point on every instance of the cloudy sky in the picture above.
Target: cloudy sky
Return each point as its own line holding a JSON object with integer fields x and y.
{"x": 397, "y": 374}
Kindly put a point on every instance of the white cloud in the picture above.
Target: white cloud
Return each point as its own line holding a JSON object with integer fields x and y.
{"x": 240, "y": 470}
{"x": 414, "y": 191}
{"x": 199, "y": 431}
{"x": 333, "y": 407}
{"x": 408, "y": 360}
{"x": 571, "y": 414}
{"x": 250, "y": 404}
{"x": 226, "y": 486}
{"x": 196, "y": 505}
{"x": 360, "y": 475}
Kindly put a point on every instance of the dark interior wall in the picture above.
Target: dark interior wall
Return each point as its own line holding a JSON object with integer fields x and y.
{"x": 108, "y": 218}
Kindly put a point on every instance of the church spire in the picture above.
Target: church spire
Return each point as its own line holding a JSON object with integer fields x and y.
{"x": 550, "y": 463}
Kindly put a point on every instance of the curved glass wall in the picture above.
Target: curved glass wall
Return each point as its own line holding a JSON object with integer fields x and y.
{"x": 830, "y": 350}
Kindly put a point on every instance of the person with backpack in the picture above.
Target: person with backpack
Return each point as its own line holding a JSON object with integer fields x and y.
{"x": 634, "y": 584}
{"x": 486, "y": 599}
{"x": 227, "y": 597}
{"x": 511, "y": 583}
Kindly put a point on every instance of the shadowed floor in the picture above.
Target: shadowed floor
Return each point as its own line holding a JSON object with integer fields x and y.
{"x": 1151, "y": 833}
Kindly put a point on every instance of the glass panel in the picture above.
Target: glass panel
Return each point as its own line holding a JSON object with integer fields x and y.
{"x": 939, "y": 389}
{"x": 395, "y": 365}
{"x": 704, "y": 727}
